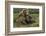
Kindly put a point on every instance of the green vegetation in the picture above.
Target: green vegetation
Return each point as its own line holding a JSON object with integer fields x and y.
{"x": 34, "y": 13}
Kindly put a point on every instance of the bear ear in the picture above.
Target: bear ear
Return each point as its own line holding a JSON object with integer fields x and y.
{"x": 24, "y": 9}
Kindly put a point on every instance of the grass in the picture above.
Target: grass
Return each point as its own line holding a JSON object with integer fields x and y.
{"x": 35, "y": 17}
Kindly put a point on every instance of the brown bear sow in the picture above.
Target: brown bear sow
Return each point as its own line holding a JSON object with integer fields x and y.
{"x": 24, "y": 17}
